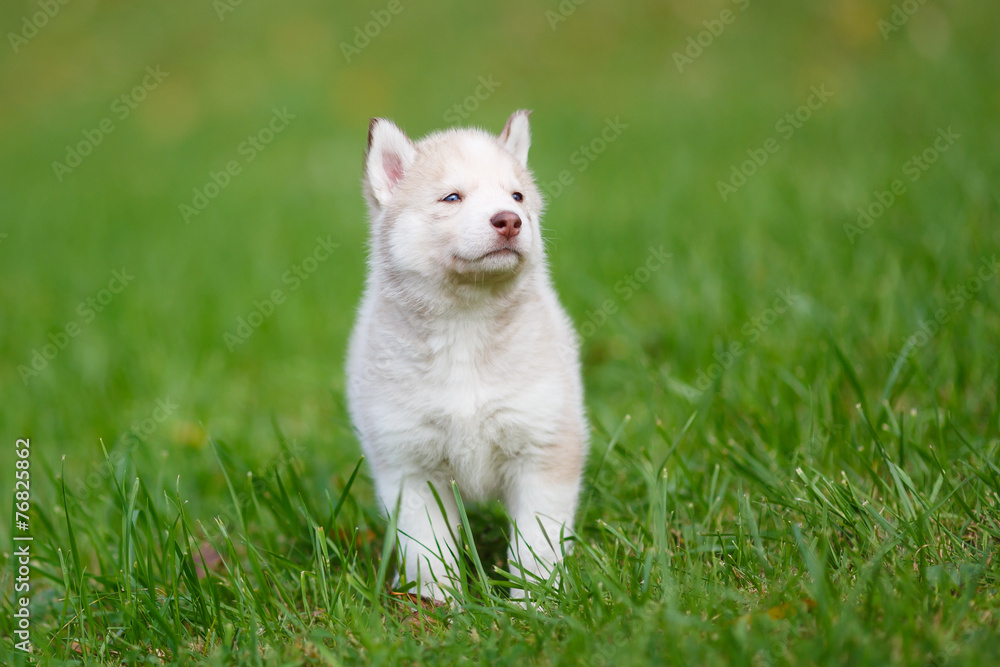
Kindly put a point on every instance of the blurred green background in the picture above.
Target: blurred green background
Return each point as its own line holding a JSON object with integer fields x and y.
{"x": 228, "y": 66}
{"x": 257, "y": 113}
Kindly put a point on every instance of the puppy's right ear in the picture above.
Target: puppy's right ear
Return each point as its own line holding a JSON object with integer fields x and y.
{"x": 390, "y": 154}
{"x": 516, "y": 137}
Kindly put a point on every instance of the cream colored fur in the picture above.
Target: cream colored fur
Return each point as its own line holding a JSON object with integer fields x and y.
{"x": 462, "y": 365}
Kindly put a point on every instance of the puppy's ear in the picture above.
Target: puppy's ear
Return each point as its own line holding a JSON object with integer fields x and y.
{"x": 390, "y": 154}
{"x": 516, "y": 136}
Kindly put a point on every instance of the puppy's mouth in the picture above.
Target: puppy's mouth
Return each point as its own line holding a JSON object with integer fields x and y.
{"x": 506, "y": 251}
{"x": 505, "y": 259}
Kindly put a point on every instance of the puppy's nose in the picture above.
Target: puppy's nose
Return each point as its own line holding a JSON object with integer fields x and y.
{"x": 507, "y": 223}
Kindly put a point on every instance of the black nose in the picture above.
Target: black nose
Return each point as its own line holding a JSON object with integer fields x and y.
{"x": 507, "y": 223}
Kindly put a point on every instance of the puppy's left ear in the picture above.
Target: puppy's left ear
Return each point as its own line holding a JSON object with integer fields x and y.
{"x": 516, "y": 136}
{"x": 390, "y": 154}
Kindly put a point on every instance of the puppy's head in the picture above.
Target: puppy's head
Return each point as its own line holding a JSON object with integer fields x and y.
{"x": 460, "y": 206}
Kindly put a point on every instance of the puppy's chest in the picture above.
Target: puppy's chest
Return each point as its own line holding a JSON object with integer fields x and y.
{"x": 468, "y": 390}
{"x": 475, "y": 396}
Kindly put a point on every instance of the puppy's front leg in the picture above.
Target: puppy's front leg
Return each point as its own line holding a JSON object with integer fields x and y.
{"x": 542, "y": 503}
{"x": 427, "y": 549}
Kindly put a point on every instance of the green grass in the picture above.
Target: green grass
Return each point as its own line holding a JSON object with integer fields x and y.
{"x": 825, "y": 494}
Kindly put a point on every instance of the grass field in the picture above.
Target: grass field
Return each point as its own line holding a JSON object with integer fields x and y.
{"x": 796, "y": 416}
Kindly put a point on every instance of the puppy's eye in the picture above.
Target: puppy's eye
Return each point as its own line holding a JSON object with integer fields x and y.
{"x": 518, "y": 196}
{"x": 454, "y": 196}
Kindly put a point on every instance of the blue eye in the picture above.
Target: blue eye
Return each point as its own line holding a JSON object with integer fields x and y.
{"x": 518, "y": 196}
{"x": 454, "y": 196}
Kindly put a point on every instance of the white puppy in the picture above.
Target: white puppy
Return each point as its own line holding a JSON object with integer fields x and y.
{"x": 462, "y": 365}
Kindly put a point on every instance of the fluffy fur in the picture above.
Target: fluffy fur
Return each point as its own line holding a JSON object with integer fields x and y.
{"x": 462, "y": 365}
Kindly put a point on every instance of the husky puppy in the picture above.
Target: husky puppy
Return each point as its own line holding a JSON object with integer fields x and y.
{"x": 463, "y": 367}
